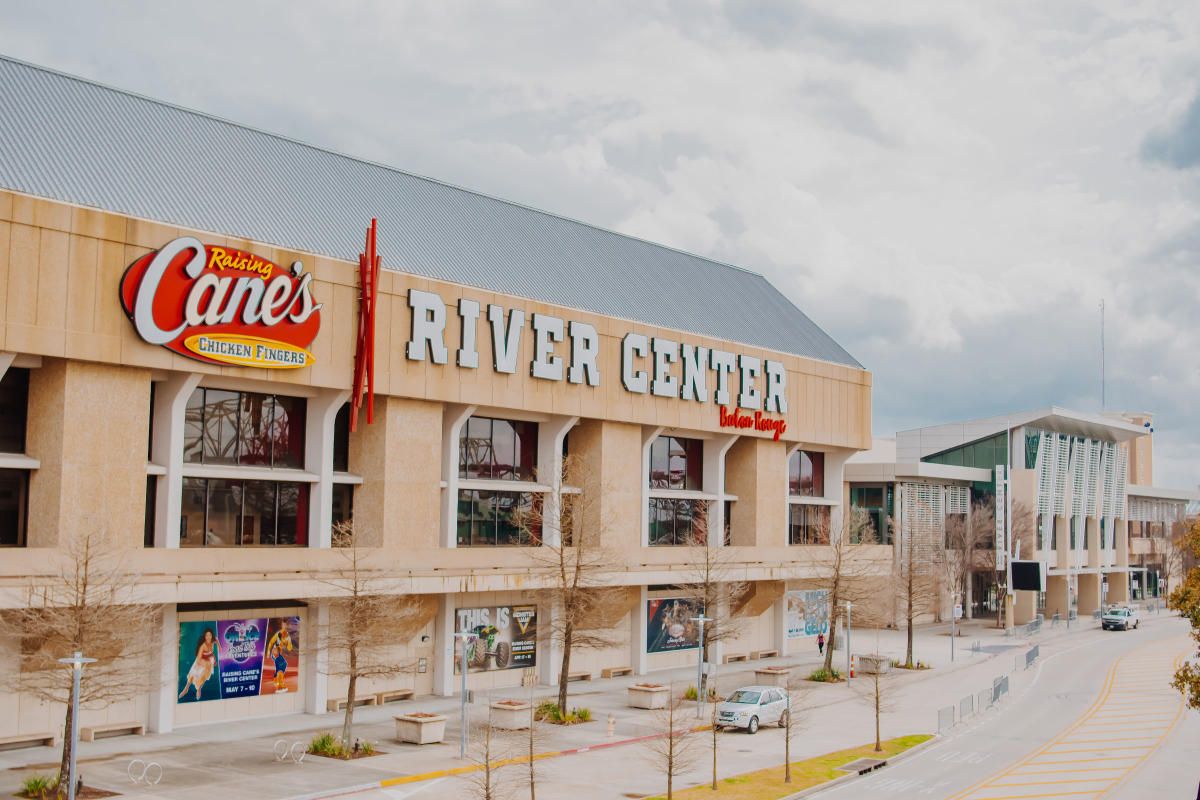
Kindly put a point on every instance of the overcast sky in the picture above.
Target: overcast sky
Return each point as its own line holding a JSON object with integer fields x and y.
{"x": 949, "y": 188}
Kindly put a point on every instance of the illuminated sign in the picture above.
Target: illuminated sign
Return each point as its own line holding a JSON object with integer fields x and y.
{"x": 732, "y": 418}
{"x": 221, "y": 305}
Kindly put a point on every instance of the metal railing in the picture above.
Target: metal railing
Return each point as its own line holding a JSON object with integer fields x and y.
{"x": 1031, "y": 655}
{"x": 972, "y": 704}
{"x": 999, "y": 688}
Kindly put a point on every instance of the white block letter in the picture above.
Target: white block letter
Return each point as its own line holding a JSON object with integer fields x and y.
{"x": 468, "y": 314}
{"x": 722, "y": 364}
{"x": 750, "y": 368}
{"x": 546, "y": 331}
{"x": 776, "y": 388}
{"x": 428, "y": 325}
{"x": 505, "y": 343}
{"x": 585, "y": 350}
{"x": 666, "y": 353}
{"x": 695, "y": 373}
{"x": 634, "y": 379}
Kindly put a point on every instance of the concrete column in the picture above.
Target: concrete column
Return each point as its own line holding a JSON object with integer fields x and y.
{"x": 779, "y": 637}
{"x": 1057, "y": 596}
{"x": 550, "y": 468}
{"x": 1023, "y": 606}
{"x": 1118, "y": 587}
{"x": 549, "y": 648}
{"x": 649, "y": 434}
{"x": 716, "y": 650}
{"x": 1121, "y": 532}
{"x": 1094, "y": 554}
{"x": 444, "y": 679}
{"x": 453, "y": 418}
{"x": 637, "y": 642}
{"x": 162, "y": 700}
{"x": 316, "y": 666}
{"x": 1089, "y": 593}
{"x": 170, "y": 403}
{"x": 1062, "y": 551}
{"x": 318, "y": 458}
{"x": 715, "y": 450}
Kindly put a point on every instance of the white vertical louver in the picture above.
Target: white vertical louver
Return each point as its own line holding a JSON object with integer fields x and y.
{"x": 1093, "y": 475}
{"x": 1119, "y": 490}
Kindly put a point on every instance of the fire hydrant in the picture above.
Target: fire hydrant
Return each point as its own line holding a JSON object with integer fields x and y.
{"x": 612, "y": 725}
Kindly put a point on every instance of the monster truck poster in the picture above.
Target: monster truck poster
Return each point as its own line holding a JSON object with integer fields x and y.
{"x": 807, "y": 612}
{"x": 669, "y": 624}
{"x": 505, "y": 637}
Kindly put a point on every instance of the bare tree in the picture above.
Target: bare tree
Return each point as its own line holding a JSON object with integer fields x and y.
{"x": 915, "y": 580}
{"x": 672, "y": 750}
{"x": 88, "y": 606}
{"x": 967, "y": 537}
{"x": 877, "y": 696}
{"x": 366, "y": 617}
{"x": 489, "y": 753}
{"x": 846, "y": 571}
{"x": 796, "y": 690}
{"x": 709, "y": 584}
{"x": 576, "y": 563}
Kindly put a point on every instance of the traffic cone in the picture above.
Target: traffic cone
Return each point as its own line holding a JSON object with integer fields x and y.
{"x": 853, "y": 663}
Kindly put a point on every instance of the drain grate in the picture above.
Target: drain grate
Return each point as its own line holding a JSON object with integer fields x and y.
{"x": 863, "y": 765}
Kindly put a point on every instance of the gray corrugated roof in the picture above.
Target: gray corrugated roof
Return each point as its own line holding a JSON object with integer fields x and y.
{"x": 72, "y": 140}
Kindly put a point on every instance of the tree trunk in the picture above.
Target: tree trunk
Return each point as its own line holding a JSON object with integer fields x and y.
{"x": 565, "y": 669}
{"x": 878, "y": 745}
{"x": 908, "y": 653}
{"x": 65, "y": 766}
{"x": 829, "y": 644}
{"x": 787, "y": 747}
{"x": 348, "y": 720}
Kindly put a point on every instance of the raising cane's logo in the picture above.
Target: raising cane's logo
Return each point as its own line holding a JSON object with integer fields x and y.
{"x": 222, "y": 306}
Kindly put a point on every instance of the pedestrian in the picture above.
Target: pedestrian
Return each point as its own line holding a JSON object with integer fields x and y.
{"x": 821, "y": 643}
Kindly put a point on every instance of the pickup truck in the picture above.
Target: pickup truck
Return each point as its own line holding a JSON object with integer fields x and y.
{"x": 1120, "y": 618}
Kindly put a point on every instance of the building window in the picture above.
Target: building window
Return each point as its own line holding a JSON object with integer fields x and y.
{"x": 151, "y": 505}
{"x": 806, "y": 474}
{"x": 14, "y": 409}
{"x": 14, "y": 493}
{"x": 236, "y": 513}
{"x": 676, "y": 522}
{"x": 498, "y": 449}
{"x": 875, "y": 504}
{"x": 341, "y": 440}
{"x": 247, "y": 428}
{"x": 808, "y": 524}
{"x": 498, "y": 519}
{"x": 343, "y": 503}
{"x": 728, "y": 523}
{"x": 676, "y": 463}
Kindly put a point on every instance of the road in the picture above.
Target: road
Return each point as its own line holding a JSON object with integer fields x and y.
{"x": 1095, "y": 718}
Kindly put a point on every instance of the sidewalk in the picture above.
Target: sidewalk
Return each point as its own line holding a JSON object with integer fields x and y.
{"x": 201, "y": 761}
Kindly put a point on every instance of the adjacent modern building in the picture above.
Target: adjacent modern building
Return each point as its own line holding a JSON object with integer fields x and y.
{"x": 1081, "y": 499}
{"x": 196, "y": 365}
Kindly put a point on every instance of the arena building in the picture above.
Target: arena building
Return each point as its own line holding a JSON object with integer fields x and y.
{"x": 185, "y": 322}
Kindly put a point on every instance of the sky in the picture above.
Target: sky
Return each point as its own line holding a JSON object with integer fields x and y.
{"x": 950, "y": 189}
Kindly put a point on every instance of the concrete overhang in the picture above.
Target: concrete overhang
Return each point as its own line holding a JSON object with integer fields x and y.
{"x": 1159, "y": 493}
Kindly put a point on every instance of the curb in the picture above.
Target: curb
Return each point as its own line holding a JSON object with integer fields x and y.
{"x": 821, "y": 787}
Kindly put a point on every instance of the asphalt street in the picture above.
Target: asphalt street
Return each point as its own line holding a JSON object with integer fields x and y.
{"x": 1094, "y": 717}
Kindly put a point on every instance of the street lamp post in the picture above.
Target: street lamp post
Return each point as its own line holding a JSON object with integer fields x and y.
{"x": 700, "y": 620}
{"x": 76, "y": 662}
{"x": 849, "y": 606}
{"x": 465, "y": 637}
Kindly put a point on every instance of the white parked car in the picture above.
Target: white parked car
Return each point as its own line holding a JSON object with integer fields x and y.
{"x": 1120, "y": 618}
{"x": 753, "y": 706}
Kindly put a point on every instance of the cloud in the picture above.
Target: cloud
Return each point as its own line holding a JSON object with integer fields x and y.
{"x": 950, "y": 189}
{"x": 1177, "y": 145}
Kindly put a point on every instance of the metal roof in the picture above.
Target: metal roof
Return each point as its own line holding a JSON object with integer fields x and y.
{"x": 76, "y": 141}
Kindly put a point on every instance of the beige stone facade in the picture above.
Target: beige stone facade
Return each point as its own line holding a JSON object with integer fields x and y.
{"x": 95, "y": 434}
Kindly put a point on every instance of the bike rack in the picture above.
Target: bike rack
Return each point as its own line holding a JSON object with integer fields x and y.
{"x": 147, "y": 772}
{"x": 290, "y": 751}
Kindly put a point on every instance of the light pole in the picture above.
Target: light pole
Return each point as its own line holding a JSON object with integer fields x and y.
{"x": 849, "y": 606}
{"x": 700, "y": 620}
{"x": 465, "y": 637}
{"x": 76, "y": 662}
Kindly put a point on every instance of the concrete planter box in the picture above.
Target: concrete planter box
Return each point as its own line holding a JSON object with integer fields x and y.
{"x": 510, "y": 715}
{"x": 649, "y": 696}
{"x": 772, "y": 676}
{"x": 420, "y": 728}
{"x": 874, "y": 664}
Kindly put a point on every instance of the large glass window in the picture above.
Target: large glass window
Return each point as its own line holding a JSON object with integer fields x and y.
{"x": 676, "y": 463}
{"x": 343, "y": 503}
{"x": 808, "y": 524}
{"x": 806, "y": 474}
{"x": 14, "y": 409}
{"x": 498, "y": 519}
{"x": 876, "y": 503}
{"x": 677, "y": 522}
{"x": 224, "y": 427}
{"x": 341, "y": 440}
{"x": 231, "y": 513}
{"x": 14, "y": 489}
{"x": 498, "y": 449}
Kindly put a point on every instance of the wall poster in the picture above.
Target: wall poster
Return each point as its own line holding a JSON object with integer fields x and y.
{"x": 669, "y": 625}
{"x": 807, "y": 613}
{"x": 505, "y": 638}
{"x": 228, "y": 658}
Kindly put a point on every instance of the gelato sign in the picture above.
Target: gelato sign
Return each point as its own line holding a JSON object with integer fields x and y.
{"x": 221, "y": 305}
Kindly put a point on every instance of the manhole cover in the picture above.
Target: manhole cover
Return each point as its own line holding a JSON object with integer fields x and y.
{"x": 862, "y": 765}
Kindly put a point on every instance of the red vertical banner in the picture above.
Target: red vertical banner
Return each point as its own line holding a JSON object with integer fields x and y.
{"x": 364, "y": 354}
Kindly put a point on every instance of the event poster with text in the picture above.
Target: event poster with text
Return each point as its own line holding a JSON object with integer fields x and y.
{"x": 229, "y": 658}
{"x": 669, "y": 624}
{"x": 505, "y": 637}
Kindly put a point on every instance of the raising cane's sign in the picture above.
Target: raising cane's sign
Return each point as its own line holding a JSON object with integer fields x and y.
{"x": 734, "y": 418}
{"x": 221, "y": 305}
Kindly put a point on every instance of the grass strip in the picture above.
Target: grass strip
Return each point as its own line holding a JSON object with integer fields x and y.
{"x": 767, "y": 784}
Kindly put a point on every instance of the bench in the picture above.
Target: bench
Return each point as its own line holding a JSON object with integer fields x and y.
{"x": 28, "y": 740}
{"x": 361, "y": 700}
{"x": 395, "y": 695}
{"x": 94, "y": 732}
{"x": 760, "y": 654}
{"x": 615, "y": 672}
{"x": 732, "y": 657}
{"x": 578, "y": 676}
